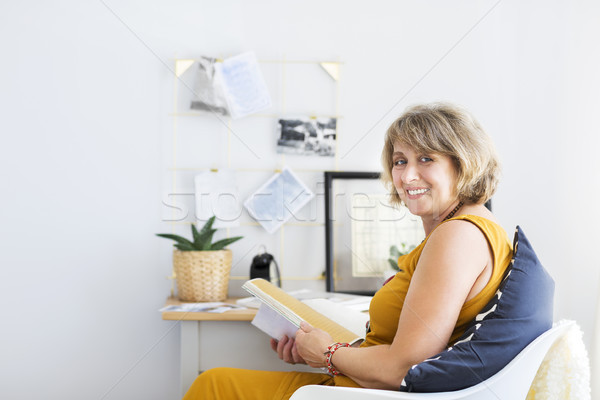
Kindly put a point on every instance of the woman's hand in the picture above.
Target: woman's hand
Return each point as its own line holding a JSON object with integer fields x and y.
{"x": 286, "y": 350}
{"x": 312, "y": 344}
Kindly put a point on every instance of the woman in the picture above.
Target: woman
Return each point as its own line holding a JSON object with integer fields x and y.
{"x": 440, "y": 164}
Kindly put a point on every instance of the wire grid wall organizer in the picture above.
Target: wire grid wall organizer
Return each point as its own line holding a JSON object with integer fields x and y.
{"x": 202, "y": 141}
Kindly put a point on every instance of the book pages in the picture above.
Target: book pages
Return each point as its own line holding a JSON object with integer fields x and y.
{"x": 296, "y": 311}
{"x": 273, "y": 324}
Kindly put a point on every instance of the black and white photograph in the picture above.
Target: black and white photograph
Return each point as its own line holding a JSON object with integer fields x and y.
{"x": 307, "y": 136}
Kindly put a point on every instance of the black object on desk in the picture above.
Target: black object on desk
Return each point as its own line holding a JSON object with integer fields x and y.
{"x": 264, "y": 266}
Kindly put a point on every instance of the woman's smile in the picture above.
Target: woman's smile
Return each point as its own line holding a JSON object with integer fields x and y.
{"x": 414, "y": 193}
{"x": 426, "y": 183}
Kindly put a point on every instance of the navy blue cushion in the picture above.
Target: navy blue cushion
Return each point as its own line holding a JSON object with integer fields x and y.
{"x": 521, "y": 310}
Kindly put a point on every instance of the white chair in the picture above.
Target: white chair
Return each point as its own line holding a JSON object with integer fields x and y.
{"x": 510, "y": 383}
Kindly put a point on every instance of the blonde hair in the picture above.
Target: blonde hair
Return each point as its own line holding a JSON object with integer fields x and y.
{"x": 443, "y": 128}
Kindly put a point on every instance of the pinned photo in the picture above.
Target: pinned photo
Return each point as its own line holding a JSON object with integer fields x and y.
{"x": 278, "y": 200}
{"x": 208, "y": 93}
{"x": 307, "y": 136}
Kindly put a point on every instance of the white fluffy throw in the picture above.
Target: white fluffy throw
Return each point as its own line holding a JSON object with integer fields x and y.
{"x": 565, "y": 371}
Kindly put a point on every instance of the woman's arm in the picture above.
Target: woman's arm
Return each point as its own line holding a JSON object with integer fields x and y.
{"x": 455, "y": 256}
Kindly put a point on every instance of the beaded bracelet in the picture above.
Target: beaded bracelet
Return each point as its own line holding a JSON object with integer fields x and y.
{"x": 332, "y": 348}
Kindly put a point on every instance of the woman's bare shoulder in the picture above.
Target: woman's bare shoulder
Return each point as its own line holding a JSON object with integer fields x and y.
{"x": 458, "y": 242}
{"x": 457, "y": 232}
{"x": 478, "y": 210}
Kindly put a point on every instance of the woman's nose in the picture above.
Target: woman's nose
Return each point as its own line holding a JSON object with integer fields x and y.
{"x": 409, "y": 174}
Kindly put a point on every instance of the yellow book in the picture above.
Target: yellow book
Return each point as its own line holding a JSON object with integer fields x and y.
{"x": 280, "y": 313}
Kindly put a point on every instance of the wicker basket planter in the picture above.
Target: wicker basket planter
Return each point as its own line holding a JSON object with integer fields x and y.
{"x": 202, "y": 275}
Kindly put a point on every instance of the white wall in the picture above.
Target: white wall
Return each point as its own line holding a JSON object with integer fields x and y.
{"x": 85, "y": 96}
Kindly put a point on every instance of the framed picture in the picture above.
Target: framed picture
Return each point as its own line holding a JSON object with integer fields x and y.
{"x": 363, "y": 232}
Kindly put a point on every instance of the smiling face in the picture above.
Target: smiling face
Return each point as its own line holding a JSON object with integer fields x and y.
{"x": 426, "y": 183}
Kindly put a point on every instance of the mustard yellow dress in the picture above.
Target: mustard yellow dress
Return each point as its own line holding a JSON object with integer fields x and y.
{"x": 385, "y": 309}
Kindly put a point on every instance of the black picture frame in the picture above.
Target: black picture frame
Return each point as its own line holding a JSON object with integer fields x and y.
{"x": 330, "y": 177}
{"x": 362, "y": 286}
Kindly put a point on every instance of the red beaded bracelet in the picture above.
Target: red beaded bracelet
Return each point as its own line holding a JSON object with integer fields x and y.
{"x": 332, "y": 348}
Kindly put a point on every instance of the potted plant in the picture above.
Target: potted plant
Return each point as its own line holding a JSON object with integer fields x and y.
{"x": 201, "y": 266}
{"x": 395, "y": 253}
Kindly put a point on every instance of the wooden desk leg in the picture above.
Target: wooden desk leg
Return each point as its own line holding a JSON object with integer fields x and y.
{"x": 189, "y": 354}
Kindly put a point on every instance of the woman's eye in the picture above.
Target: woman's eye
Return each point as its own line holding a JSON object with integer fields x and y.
{"x": 399, "y": 162}
{"x": 426, "y": 159}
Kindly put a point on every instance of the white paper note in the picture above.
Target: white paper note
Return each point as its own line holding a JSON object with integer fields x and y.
{"x": 217, "y": 194}
{"x": 278, "y": 200}
{"x": 243, "y": 84}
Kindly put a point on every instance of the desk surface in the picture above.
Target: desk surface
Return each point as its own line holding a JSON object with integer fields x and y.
{"x": 246, "y": 314}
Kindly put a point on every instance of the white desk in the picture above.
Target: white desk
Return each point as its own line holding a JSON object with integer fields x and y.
{"x": 210, "y": 340}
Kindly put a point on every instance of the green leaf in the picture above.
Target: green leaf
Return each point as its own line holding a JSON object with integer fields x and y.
{"x": 177, "y": 238}
{"x": 195, "y": 233}
{"x": 222, "y": 243}
{"x": 204, "y": 240}
{"x": 208, "y": 225}
{"x": 394, "y": 252}
{"x": 184, "y": 247}
{"x": 393, "y": 264}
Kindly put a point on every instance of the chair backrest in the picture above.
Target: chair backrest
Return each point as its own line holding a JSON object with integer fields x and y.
{"x": 511, "y": 383}
{"x": 514, "y": 380}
